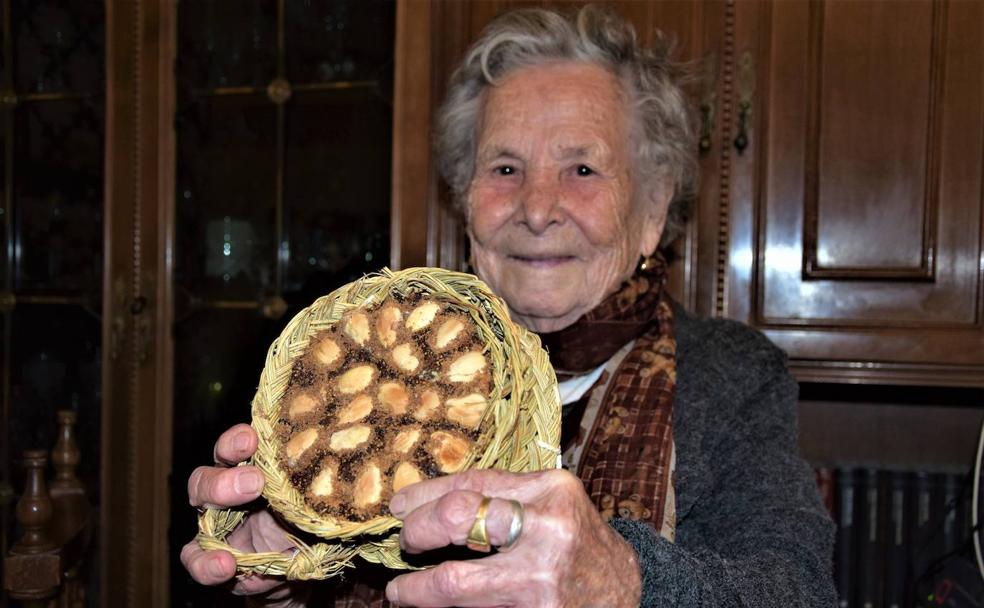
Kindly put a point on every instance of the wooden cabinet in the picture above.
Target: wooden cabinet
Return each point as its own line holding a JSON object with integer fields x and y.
{"x": 855, "y": 211}
{"x": 840, "y": 208}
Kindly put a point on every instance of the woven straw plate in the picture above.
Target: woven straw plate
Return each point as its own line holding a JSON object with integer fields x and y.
{"x": 520, "y": 430}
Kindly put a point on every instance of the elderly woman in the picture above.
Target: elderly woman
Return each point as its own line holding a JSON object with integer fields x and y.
{"x": 569, "y": 149}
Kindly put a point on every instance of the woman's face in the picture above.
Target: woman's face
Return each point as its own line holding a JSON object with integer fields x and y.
{"x": 554, "y": 219}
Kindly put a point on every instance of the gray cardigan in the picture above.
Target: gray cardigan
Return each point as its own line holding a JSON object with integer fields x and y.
{"x": 751, "y": 529}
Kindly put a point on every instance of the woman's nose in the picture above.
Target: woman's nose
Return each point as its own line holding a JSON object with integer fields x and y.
{"x": 541, "y": 205}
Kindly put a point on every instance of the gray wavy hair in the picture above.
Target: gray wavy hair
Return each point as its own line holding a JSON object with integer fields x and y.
{"x": 666, "y": 133}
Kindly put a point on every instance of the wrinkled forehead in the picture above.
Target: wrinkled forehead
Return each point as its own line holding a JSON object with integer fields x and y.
{"x": 580, "y": 107}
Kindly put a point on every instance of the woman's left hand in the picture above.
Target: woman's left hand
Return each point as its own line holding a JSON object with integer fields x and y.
{"x": 566, "y": 554}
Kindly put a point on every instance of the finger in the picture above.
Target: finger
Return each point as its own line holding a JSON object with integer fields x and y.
{"x": 235, "y": 445}
{"x": 472, "y": 583}
{"x": 208, "y": 567}
{"x": 490, "y": 482}
{"x": 218, "y": 488}
{"x": 448, "y": 520}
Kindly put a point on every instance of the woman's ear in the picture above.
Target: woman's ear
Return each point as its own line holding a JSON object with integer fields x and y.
{"x": 656, "y": 208}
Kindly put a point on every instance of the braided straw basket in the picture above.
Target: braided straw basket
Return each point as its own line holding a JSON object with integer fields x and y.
{"x": 520, "y": 431}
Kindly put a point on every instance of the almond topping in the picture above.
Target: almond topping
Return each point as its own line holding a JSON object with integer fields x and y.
{"x": 422, "y": 316}
{"x": 356, "y": 379}
{"x": 357, "y": 327}
{"x": 405, "y": 440}
{"x": 386, "y": 324}
{"x": 405, "y": 475}
{"x": 299, "y": 444}
{"x": 324, "y": 483}
{"x": 395, "y": 397}
{"x": 350, "y": 438}
{"x": 467, "y": 411}
{"x": 449, "y": 450}
{"x": 327, "y": 352}
{"x": 368, "y": 486}
{"x": 300, "y": 405}
{"x": 430, "y": 401}
{"x": 466, "y": 367}
{"x": 404, "y": 357}
{"x": 356, "y": 410}
{"x": 447, "y": 333}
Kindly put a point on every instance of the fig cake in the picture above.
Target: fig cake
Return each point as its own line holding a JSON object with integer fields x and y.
{"x": 389, "y": 395}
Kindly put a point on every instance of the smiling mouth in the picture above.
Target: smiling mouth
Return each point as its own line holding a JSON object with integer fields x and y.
{"x": 545, "y": 261}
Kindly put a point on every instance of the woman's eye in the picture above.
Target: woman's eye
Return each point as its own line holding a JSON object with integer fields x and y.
{"x": 584, "y": 170}
{"x": 505, "y": 170}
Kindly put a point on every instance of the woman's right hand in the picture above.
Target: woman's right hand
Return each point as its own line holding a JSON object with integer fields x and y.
{"x": 227, "y": 485}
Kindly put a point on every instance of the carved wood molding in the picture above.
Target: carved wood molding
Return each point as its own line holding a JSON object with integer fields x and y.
{"x": 867, "y": 372}
{"x": 724, "y": 168}
{"x": 136, "y": 382}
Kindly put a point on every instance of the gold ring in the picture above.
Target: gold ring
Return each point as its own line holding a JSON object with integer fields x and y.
{"x": 478, "y": 536}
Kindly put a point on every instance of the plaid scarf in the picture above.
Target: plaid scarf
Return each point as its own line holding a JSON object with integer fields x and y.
{"x": 619, "y": 435}
{"x": 620, "y": 440}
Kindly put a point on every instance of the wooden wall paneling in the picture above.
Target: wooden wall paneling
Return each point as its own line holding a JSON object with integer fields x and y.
{"x": 412, "y": 106}
{"x": 895, "y": 278}
{"x": 137, "y": 304}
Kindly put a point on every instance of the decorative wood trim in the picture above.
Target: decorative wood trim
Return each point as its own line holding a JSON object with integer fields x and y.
{"x": 926, "y": 271}
{"x": 867, "y": 372}
{"x": 411, "y": 185}
{"x": 724, "y": 169}
{"x": 136, "y": 377}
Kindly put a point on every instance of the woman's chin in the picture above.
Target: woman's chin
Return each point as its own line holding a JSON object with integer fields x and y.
{"x": 545, "y": 319}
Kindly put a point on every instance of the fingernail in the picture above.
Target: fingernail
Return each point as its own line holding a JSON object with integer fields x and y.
{"x": 248, "y": 482}
{"x": 216, "y": 569}
{"x": 397, "y": 504}
{"x": 391, "y": 593}
{"x": 240, "y": 442}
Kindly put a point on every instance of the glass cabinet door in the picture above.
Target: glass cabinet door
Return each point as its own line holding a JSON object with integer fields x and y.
{"x": 52, "y": 79}
{"x": 283, "y": 148}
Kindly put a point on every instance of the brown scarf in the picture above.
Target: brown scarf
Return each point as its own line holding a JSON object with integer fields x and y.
{"x": 621, "y": 443}
{"x": 619, "y": 434}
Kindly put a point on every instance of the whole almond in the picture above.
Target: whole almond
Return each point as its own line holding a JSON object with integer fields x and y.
{"x": 430, "y": 401}
{"x": 368, "y": 486}
{"x": 449, "y": 450}
{"x": 301, "y": 405}
{"x": 350, "y": 438}
{"x": 405, "y": 357}
{"x": 467, "y": 411}
{"x": 324, "y": 482}
{"x": 467, "y": 367}
{"x": 447, "y": 333}
{"x": 326, "y": 352}
{"x": 405, "y": 475}
{"x": 356, "y": 326}
{"x": 356, "y": 379}
{"x": 394, "y": 397}
{"x": 405, "y": 440}
{"x": 422, "y": 316}
{"x": 386, "y": 325}
{"x": 356, "y": 410}
{"x": 299, "y": 444}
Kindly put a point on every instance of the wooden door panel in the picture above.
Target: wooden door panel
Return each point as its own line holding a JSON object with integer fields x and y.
{"x": 871, "y": 189}
{"x": 871, "y": 147}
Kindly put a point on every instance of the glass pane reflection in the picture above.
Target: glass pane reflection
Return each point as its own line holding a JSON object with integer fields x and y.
{"x": 58, "y": 46}
{"x": 226, "y": 43}
{"x": 58, "y": 191}
{"x": 337, "y": 188}
{"x": 226, "y": 166}
{"x": 340, "y": 40}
